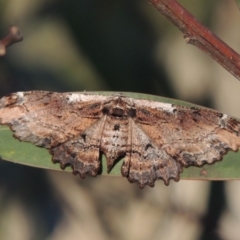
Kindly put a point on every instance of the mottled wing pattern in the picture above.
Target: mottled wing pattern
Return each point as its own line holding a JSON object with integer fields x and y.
{"x": 107, "y": 135}
{"x": 82, "y": 152}
{"x": 157, "y": 139}
{"x": 146, "y": 161}
{"x": 49, "y": 119}
{"x": 173, "y": 137}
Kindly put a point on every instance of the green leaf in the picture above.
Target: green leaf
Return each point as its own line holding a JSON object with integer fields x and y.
{"x": 26, "y": 153}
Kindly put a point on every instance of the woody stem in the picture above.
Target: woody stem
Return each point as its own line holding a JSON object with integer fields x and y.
{"x": 198, "y": 35}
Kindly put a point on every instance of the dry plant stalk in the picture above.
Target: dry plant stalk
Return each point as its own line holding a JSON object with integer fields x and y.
{"x": 198, "y": 35}
{"x": 14, "y": 35}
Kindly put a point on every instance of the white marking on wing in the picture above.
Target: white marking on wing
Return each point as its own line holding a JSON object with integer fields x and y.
{"x": 77, "y": 97}
{"x": 158, "y": 105}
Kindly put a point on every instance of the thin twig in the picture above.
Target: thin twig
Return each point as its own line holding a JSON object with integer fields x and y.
{"x": 12, "y": 37}
{"x": 198, "y": 35}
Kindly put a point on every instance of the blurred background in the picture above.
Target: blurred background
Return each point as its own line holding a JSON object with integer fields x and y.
{"x": 115, "y": 45}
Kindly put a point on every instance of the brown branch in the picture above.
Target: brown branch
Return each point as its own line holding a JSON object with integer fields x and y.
{"x": 198, "y": 35}
{"x": 12, "y": 37}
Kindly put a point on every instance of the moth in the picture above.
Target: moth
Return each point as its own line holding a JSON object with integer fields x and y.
{"x": 157, "y": 140}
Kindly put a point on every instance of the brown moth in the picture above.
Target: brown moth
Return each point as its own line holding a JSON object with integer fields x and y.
{"x": 156, "y": 139}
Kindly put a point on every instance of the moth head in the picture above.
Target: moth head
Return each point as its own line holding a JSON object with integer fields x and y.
{"x": 119, "y": 106}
